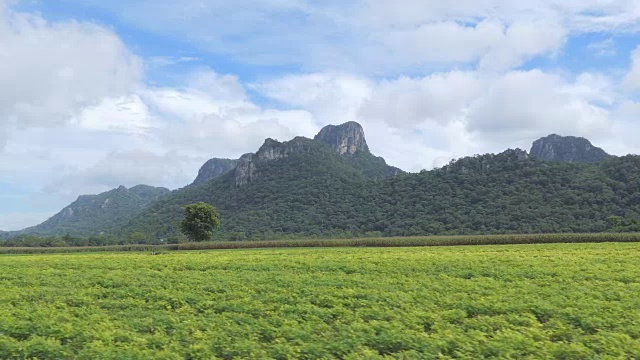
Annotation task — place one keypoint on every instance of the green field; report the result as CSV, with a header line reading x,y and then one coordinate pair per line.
x,y
565,301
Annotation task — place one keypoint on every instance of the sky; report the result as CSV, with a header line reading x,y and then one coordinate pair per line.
x,y
95,94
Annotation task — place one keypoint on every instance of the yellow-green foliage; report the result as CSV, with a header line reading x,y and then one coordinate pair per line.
x,y
565,301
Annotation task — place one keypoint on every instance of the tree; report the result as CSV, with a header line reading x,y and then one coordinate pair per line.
x,y
200,221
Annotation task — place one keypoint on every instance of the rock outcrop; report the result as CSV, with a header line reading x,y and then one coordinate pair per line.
x,y
274,150
213,169
346,139
567,149
245,170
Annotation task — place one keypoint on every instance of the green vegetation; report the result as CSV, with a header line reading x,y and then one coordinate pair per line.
x,y
521,302
320,194
51,245
200,221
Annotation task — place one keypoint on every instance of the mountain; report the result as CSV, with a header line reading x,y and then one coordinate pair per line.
x,y
313,188
333,186
214,168
94,214
304,174
346,141
567,149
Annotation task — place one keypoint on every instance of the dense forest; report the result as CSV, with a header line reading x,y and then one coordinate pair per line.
x,y
321,195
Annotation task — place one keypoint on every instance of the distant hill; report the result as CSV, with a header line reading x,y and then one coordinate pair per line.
x,y
94,214
567,149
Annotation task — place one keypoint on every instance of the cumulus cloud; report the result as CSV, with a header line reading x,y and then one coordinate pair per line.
x,y
58,68
494,45
440,98
525,104
331,97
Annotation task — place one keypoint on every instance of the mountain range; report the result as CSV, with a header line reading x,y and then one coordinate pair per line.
x,y
332,185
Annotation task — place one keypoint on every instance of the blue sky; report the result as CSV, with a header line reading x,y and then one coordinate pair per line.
x,y
98,94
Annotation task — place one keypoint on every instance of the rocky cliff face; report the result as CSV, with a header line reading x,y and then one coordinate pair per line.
x,y
213,169
346,139
272,149
245,170
567,149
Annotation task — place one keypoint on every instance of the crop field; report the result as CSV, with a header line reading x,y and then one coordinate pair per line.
x,y
562,301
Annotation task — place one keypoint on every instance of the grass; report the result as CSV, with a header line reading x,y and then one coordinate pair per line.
x,y
563,301
356,242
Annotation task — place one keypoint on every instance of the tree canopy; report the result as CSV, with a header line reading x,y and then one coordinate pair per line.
x,y
200,221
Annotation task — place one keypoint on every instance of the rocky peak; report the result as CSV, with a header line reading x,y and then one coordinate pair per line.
x,y
214,168
245,170
273,149
346,139
567,149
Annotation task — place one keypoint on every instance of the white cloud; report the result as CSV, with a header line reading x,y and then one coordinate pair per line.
x,y
331,97
439,98
494,45
632,79
55,69
533,103
374,36
126,114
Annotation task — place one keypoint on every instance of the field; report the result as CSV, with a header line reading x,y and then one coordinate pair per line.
x,y
564,301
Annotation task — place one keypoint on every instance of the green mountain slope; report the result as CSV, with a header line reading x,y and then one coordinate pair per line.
x,y
319,193
307,190
94,214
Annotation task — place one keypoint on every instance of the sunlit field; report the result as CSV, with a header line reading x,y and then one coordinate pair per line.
x,y
567,301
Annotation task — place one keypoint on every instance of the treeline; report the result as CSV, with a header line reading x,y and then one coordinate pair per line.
x,y
417,241
80,241
149,239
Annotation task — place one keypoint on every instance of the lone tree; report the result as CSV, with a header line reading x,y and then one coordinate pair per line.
x,y
200,221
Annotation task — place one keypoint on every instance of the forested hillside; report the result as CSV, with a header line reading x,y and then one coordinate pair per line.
x,y
96,214
321,194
